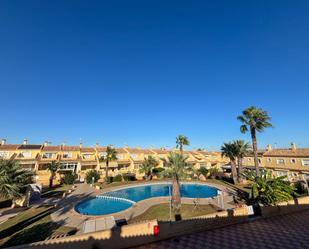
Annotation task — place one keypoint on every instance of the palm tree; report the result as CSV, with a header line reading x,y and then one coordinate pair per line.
x,y
181,141
53,168
147,166
270,190
176,168
13,179
243,149
111,155
256,120
230,150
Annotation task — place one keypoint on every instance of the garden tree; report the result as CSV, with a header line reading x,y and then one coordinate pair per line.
x,y
176,168
256,120
147,166
229,150
111,155
269,190
181,141
52,168
13,179
243,149
202,171
92,176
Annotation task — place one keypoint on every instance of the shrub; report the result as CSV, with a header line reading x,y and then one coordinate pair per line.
x,y
129,177
69,178
269,190
117,178
92,174
157,170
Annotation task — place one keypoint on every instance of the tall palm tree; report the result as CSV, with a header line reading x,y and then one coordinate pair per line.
x,y
111,155
176,168
230,150
13,179
243,149
147,166
256,120
181,141
53,168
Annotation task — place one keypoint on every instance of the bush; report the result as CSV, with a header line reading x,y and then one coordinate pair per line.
x,y
69,178
92,174
117,178
157,170
129,177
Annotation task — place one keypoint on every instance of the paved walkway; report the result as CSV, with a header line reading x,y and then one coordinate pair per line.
x,y
288,231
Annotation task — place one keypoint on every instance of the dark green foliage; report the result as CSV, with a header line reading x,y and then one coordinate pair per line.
x,y
13,179
117,178
69,178
157,170
203,171
129,177
269,190
92,174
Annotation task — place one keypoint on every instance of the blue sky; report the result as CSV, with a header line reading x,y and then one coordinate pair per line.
x,y
142,72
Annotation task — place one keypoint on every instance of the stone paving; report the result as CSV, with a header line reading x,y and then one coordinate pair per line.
x,y
288,231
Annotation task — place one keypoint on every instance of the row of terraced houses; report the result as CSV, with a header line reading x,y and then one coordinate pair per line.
x,y
292,162
80,159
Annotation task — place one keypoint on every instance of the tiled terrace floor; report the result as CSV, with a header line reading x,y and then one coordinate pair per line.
x,y
288,231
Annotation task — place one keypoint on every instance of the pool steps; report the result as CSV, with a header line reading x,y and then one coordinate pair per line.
x,y
114,198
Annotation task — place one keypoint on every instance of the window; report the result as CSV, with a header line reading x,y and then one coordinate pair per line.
x,y
259,160
24,154
67,155
68,166
47,155
120,156
280,161
293,161
269,160
103,154
4,154
305,162
134,156
86,156
282,173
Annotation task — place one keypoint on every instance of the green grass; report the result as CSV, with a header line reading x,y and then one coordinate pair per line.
x,y
161,212
31,225
56,191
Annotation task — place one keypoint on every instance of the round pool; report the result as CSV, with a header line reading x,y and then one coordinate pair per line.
x,y
119,200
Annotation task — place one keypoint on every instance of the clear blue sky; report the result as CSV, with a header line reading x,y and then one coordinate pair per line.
x,y
142,72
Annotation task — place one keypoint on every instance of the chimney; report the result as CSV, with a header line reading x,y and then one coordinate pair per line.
x,y
25,142
293,146
97,145
269,148
45,143
80,145
3,141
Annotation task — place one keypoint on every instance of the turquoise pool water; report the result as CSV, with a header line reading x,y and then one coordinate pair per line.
x,y
119,200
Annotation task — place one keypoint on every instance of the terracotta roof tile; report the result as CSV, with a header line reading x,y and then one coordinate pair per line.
x,y
51,148
9,146
302,152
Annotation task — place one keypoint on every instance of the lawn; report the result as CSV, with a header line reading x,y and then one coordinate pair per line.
x,y
33,224
161,212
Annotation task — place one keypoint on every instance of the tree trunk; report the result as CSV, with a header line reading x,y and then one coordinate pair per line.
x,y
176,200
254,146
51,179
234,171
239,160
106,171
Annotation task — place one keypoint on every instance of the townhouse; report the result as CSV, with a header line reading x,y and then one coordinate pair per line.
x,y
80,159
292,162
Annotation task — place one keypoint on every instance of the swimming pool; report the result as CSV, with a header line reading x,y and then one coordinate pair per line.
x,y
119,200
